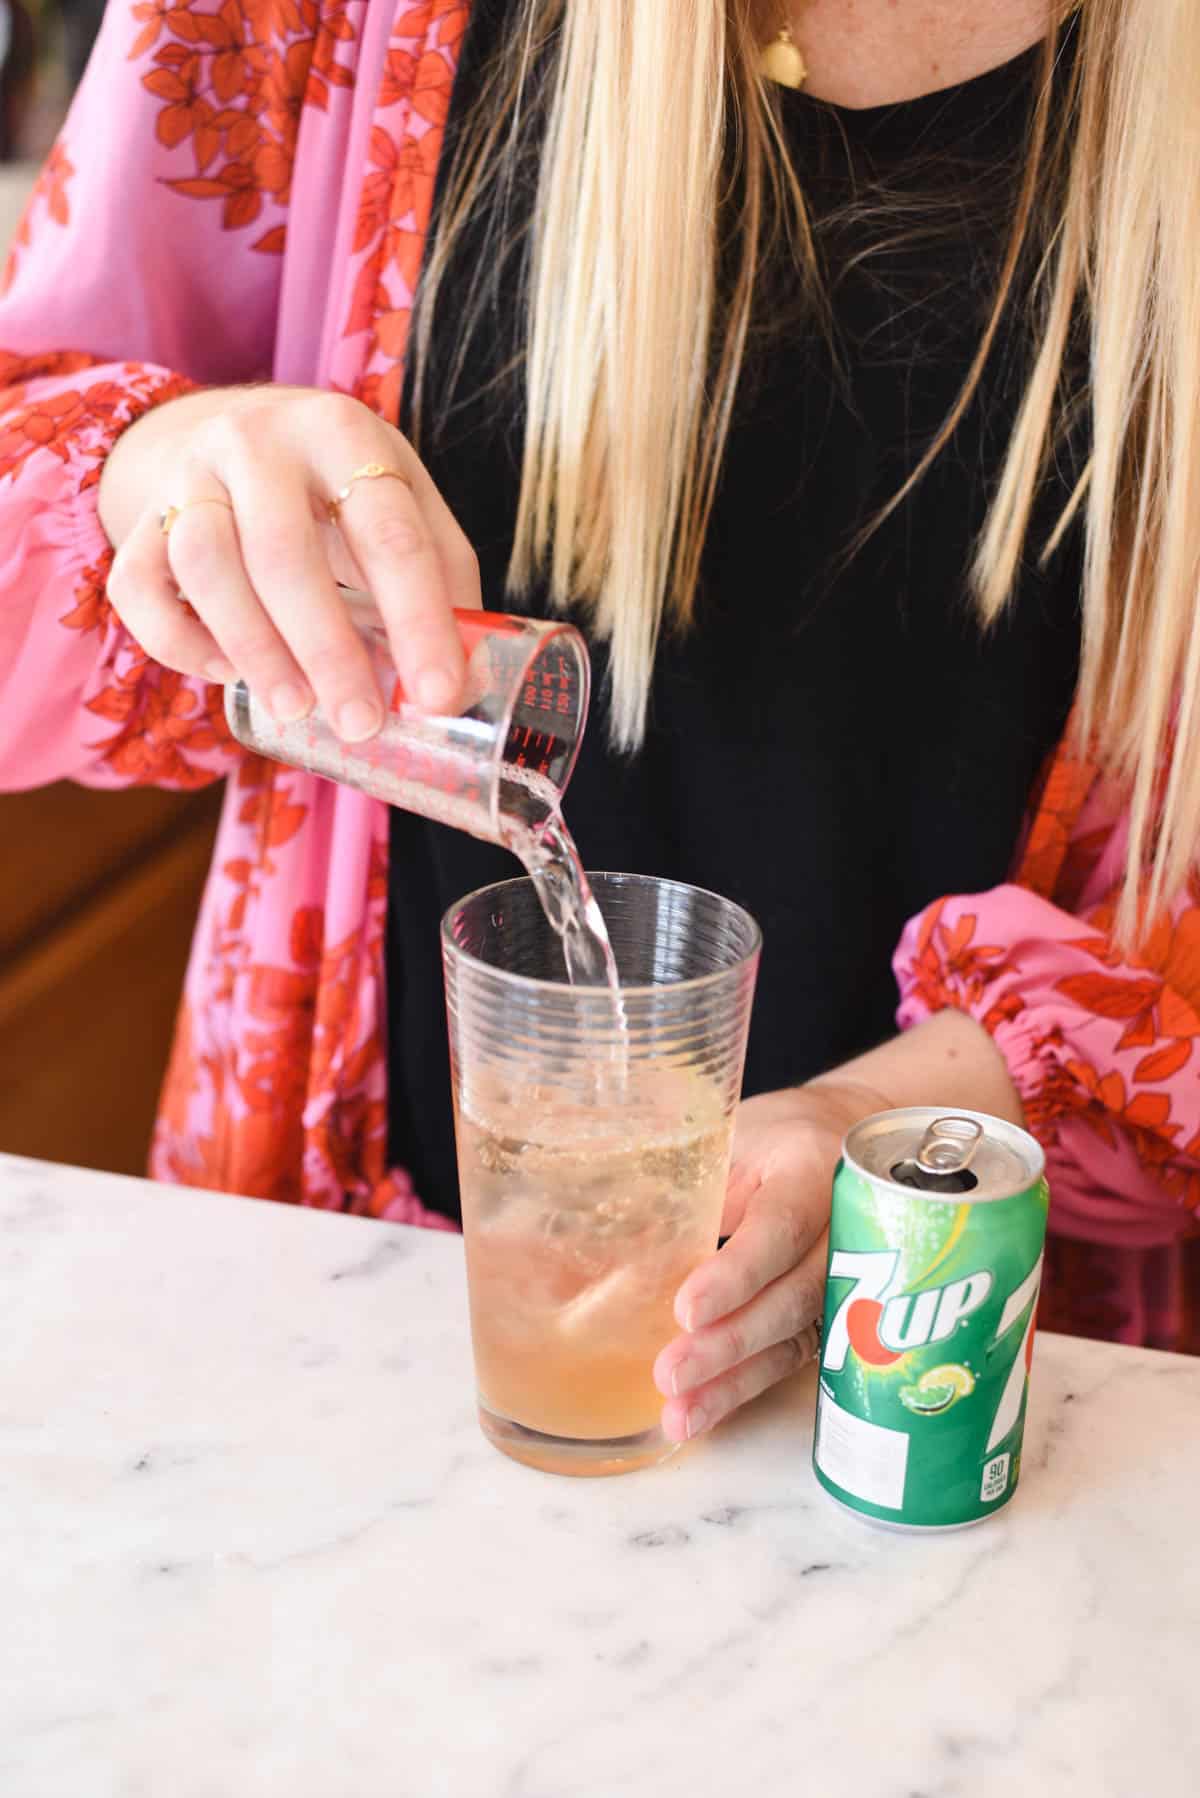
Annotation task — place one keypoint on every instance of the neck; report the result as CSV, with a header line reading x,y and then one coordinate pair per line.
x,y
878,52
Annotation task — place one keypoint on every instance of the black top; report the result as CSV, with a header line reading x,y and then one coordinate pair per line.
x,y
833,745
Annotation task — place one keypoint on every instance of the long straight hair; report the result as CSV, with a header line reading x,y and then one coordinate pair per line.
x,y
657,129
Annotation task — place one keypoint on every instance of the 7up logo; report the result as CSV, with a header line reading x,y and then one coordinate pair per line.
x,y
881,1324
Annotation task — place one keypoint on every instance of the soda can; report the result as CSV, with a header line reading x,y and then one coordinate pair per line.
x,y
935,1261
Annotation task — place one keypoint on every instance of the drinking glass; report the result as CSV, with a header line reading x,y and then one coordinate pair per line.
x,y
594,1135
498,766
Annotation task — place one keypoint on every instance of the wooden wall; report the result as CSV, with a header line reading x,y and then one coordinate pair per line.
x,y
98,898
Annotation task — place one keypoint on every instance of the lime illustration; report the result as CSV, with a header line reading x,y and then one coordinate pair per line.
x,y
937,1389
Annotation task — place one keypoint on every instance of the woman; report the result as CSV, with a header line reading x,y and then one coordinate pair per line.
x,y
753,377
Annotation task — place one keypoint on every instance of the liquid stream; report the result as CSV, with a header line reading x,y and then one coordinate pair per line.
x,y
552,862
535,831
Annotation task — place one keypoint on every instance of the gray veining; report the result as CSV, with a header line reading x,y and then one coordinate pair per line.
x,y
251,1543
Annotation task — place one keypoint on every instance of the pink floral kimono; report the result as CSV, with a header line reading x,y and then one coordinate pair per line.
x,y
241,193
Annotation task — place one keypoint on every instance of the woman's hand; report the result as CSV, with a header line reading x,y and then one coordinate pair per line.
x,y
749,1313
259,562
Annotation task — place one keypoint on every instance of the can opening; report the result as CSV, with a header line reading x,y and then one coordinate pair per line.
x,y
923,1179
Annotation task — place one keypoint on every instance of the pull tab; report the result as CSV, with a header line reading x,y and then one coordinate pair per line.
x,y
949,1145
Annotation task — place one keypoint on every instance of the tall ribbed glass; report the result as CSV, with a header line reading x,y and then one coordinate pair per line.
x,y
593,1151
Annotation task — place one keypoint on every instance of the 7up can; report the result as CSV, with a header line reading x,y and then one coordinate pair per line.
x,y
935,1259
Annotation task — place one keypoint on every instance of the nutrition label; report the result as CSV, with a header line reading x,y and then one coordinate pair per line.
x,y
862,1458
995,1479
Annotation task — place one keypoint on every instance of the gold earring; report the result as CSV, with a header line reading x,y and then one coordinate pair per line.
x,y
782,61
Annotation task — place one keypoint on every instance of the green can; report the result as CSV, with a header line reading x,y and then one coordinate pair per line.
x,y
935,1263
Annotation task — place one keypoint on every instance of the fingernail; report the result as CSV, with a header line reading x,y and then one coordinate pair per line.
x,y
435,690
699,1313
289,702
220,671
357,720
697,1421
684,1377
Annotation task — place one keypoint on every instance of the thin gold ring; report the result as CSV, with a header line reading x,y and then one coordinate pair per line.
x,y
370,471
167,517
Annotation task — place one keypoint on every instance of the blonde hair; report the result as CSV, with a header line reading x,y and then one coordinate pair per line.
x,y
629,384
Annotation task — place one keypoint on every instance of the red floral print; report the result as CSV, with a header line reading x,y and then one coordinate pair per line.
x,y
397,192
1105,1038
234,82
277,1084
78,425
949,967
49,194
1054,855
163,724
91,610
334,29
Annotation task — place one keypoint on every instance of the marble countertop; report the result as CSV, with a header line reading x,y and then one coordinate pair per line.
x,y
252,1543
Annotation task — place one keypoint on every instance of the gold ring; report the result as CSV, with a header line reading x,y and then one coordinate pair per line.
x,y
370,471
167,518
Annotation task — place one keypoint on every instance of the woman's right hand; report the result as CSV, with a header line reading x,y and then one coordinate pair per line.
x,y
248,586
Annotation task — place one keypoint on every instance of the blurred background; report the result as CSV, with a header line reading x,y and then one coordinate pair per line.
x,y
98,891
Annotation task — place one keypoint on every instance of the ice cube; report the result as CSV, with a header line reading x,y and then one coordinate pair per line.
x,y
670,1213
499,1154
609,1292
685,1164
617,1216
561,1222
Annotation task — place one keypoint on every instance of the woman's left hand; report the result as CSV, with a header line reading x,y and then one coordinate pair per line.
x,y
750,1312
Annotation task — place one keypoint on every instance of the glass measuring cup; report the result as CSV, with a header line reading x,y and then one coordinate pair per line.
x,y
498,766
